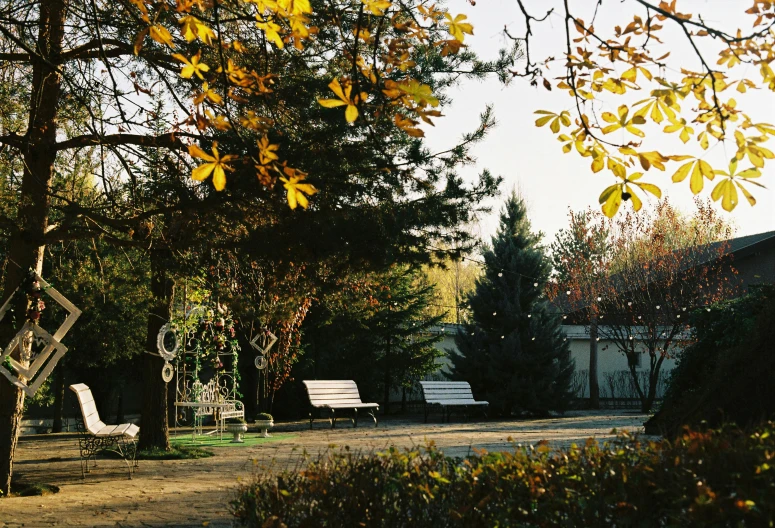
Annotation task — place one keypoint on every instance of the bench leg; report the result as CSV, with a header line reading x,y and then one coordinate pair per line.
x,y
310,420
355,417
332,419
374,416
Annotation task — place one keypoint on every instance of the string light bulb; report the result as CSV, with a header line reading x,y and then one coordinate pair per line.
x,y
535,285
500,274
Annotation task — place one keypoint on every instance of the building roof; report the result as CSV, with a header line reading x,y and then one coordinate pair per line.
x,y
737,248
742,246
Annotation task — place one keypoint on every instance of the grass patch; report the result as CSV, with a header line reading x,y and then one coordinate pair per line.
x,y
32,489
209,441
177,452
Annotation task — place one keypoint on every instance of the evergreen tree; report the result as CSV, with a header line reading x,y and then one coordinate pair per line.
x,y
513,352
374,328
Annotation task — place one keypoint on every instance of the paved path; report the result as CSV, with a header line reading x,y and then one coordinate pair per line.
x,y
196,492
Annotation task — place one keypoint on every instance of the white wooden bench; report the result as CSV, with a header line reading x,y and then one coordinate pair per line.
x,y
96,437
448,394
337,394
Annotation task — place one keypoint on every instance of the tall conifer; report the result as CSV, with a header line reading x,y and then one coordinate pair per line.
x,y
514,352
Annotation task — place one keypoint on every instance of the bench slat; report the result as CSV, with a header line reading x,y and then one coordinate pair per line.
x,y
323,392
336,401
449,393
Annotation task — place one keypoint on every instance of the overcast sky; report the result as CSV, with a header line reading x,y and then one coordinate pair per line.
x,y
531,160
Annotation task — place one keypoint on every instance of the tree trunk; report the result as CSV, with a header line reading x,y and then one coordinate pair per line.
x,y
59,398
648,402
154,426
594,386
25,248
120,407
386,396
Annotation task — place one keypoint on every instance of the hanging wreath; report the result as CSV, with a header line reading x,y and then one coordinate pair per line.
x,y
212,336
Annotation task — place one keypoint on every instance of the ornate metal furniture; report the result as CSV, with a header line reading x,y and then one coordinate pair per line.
x,y
212,399
337,394
448,394
96,437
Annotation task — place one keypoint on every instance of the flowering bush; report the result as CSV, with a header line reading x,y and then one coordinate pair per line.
x,y
716,478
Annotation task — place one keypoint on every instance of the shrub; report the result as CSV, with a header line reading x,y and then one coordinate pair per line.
x,y
264,416
726,375
715,478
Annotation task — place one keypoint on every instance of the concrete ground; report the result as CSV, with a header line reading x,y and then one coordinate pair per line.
x,y
197,492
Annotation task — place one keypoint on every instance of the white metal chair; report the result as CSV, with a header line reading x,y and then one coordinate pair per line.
x,y
96,437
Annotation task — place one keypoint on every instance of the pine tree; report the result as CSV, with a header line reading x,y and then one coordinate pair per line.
x,y
513,352
374,329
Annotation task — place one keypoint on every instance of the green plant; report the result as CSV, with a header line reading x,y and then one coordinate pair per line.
x,y
726,374
718,477
264,416
235,421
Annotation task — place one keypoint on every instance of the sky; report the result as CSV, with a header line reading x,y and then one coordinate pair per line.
x,y
530,159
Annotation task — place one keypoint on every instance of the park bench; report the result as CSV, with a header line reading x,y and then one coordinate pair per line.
x,y
337,394
447,395
95,437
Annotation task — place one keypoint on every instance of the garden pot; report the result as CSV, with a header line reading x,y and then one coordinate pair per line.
x,y
264,426
237,429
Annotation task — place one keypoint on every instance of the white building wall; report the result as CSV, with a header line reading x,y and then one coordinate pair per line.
x,y
612,367
611,363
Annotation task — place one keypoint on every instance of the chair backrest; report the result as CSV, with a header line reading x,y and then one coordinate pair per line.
x,y
446,390
332,392
91,418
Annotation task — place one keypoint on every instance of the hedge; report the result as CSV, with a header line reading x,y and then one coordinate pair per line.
x,y
727,375
721,477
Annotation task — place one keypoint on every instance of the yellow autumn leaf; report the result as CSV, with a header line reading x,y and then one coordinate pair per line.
x,y
192,28
160,34
210,95
295,189
216,165
650,188
295,7
193,66
611,199
271,31
267,151
377,7
726,191
457,28
351,112
421,93
139,39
